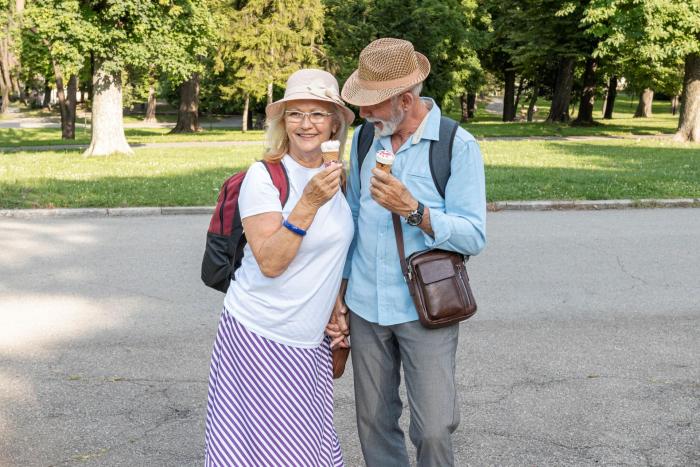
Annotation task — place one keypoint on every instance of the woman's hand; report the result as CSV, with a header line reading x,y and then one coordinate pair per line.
x,y
323,186
338,327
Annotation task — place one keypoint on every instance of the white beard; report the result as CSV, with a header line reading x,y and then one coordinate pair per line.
x,y
388,126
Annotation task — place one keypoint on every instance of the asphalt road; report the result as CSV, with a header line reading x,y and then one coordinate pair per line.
x,y
584,350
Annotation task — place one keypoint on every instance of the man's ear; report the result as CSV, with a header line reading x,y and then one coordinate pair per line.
x,y
407,99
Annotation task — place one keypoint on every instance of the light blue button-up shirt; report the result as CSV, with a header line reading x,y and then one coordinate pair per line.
x,y
376,288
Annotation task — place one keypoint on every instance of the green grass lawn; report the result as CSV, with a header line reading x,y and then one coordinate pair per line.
x,y
523,170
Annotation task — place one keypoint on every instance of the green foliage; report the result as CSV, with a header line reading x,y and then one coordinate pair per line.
x,y
439,29
264,41
167,37
650,39
532,36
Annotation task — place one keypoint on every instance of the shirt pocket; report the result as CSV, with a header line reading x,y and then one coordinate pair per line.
x,y
422,186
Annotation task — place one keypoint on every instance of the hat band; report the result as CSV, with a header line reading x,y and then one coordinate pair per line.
x,y
404,81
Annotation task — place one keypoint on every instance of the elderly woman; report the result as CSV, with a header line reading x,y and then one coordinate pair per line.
x,y
270,386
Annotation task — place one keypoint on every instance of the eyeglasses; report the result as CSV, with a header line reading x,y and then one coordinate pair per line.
x,y
297,116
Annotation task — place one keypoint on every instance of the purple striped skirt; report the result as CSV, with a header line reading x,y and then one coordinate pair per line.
x,y
269,404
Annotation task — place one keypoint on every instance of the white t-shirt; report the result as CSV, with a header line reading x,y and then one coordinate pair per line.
x,y
293,308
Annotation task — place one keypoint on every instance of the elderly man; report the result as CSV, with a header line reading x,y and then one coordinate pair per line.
x,y
386,333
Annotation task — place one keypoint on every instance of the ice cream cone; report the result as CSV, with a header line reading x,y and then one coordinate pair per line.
x,y
330,157
385,159
330,151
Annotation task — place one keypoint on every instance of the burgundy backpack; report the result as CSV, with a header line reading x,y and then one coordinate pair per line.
x,y
225,238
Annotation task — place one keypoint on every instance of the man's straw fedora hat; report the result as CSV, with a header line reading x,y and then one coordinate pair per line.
x,y
311,84
387,67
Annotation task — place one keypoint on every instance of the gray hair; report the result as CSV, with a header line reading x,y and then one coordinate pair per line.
x,y
415,90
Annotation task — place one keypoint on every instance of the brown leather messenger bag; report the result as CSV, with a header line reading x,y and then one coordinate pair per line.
x,y
438,283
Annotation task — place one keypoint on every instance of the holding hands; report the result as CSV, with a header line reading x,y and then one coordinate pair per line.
x,y
337,328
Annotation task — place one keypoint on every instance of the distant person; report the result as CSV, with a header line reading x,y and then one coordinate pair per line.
x,y
386,333
270,386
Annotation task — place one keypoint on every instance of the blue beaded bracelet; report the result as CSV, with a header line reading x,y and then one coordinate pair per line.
x,y
294,228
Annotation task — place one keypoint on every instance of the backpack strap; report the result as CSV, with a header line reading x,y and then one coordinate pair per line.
x,y
364,142
441,154
280,179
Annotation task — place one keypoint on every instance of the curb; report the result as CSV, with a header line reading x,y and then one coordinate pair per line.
x,y
593,205
573,205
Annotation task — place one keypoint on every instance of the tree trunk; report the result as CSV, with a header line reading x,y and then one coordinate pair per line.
x,y
517,96
244,119
533,101
151,105
644,106
689,121
269,93
5,89
107,116
465,108
610,99
559,111
585,108
5,83
188,113
675,100
16,86
471,105
47,96
509,96
66,103
71,102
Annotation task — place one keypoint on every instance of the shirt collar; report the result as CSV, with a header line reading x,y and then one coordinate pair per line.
x,y
429,128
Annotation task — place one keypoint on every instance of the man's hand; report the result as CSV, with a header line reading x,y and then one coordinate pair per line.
x,y
338,327
391,194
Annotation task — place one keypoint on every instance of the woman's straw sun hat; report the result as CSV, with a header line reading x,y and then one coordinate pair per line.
x,y
317,85
387,67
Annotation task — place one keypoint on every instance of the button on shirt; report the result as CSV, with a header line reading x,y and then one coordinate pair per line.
x,y
377,290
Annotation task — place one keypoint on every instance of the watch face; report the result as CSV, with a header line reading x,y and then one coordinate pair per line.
x,y
414,218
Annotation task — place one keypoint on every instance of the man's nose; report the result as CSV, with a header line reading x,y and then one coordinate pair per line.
x,y
364,112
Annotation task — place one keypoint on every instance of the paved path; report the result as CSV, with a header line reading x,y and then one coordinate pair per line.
x,y
583,352
495,106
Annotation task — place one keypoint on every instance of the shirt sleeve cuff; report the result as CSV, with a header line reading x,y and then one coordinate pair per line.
x,y
441,229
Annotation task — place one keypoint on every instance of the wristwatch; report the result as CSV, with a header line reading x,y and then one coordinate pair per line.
x,y
416,217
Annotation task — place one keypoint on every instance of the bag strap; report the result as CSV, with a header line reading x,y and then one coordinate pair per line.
x,y
398,233
280,179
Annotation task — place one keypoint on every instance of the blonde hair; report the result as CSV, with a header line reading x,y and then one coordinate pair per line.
x,y
277,141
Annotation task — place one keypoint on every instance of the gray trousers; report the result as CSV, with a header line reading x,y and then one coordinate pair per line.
x,y
428,359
